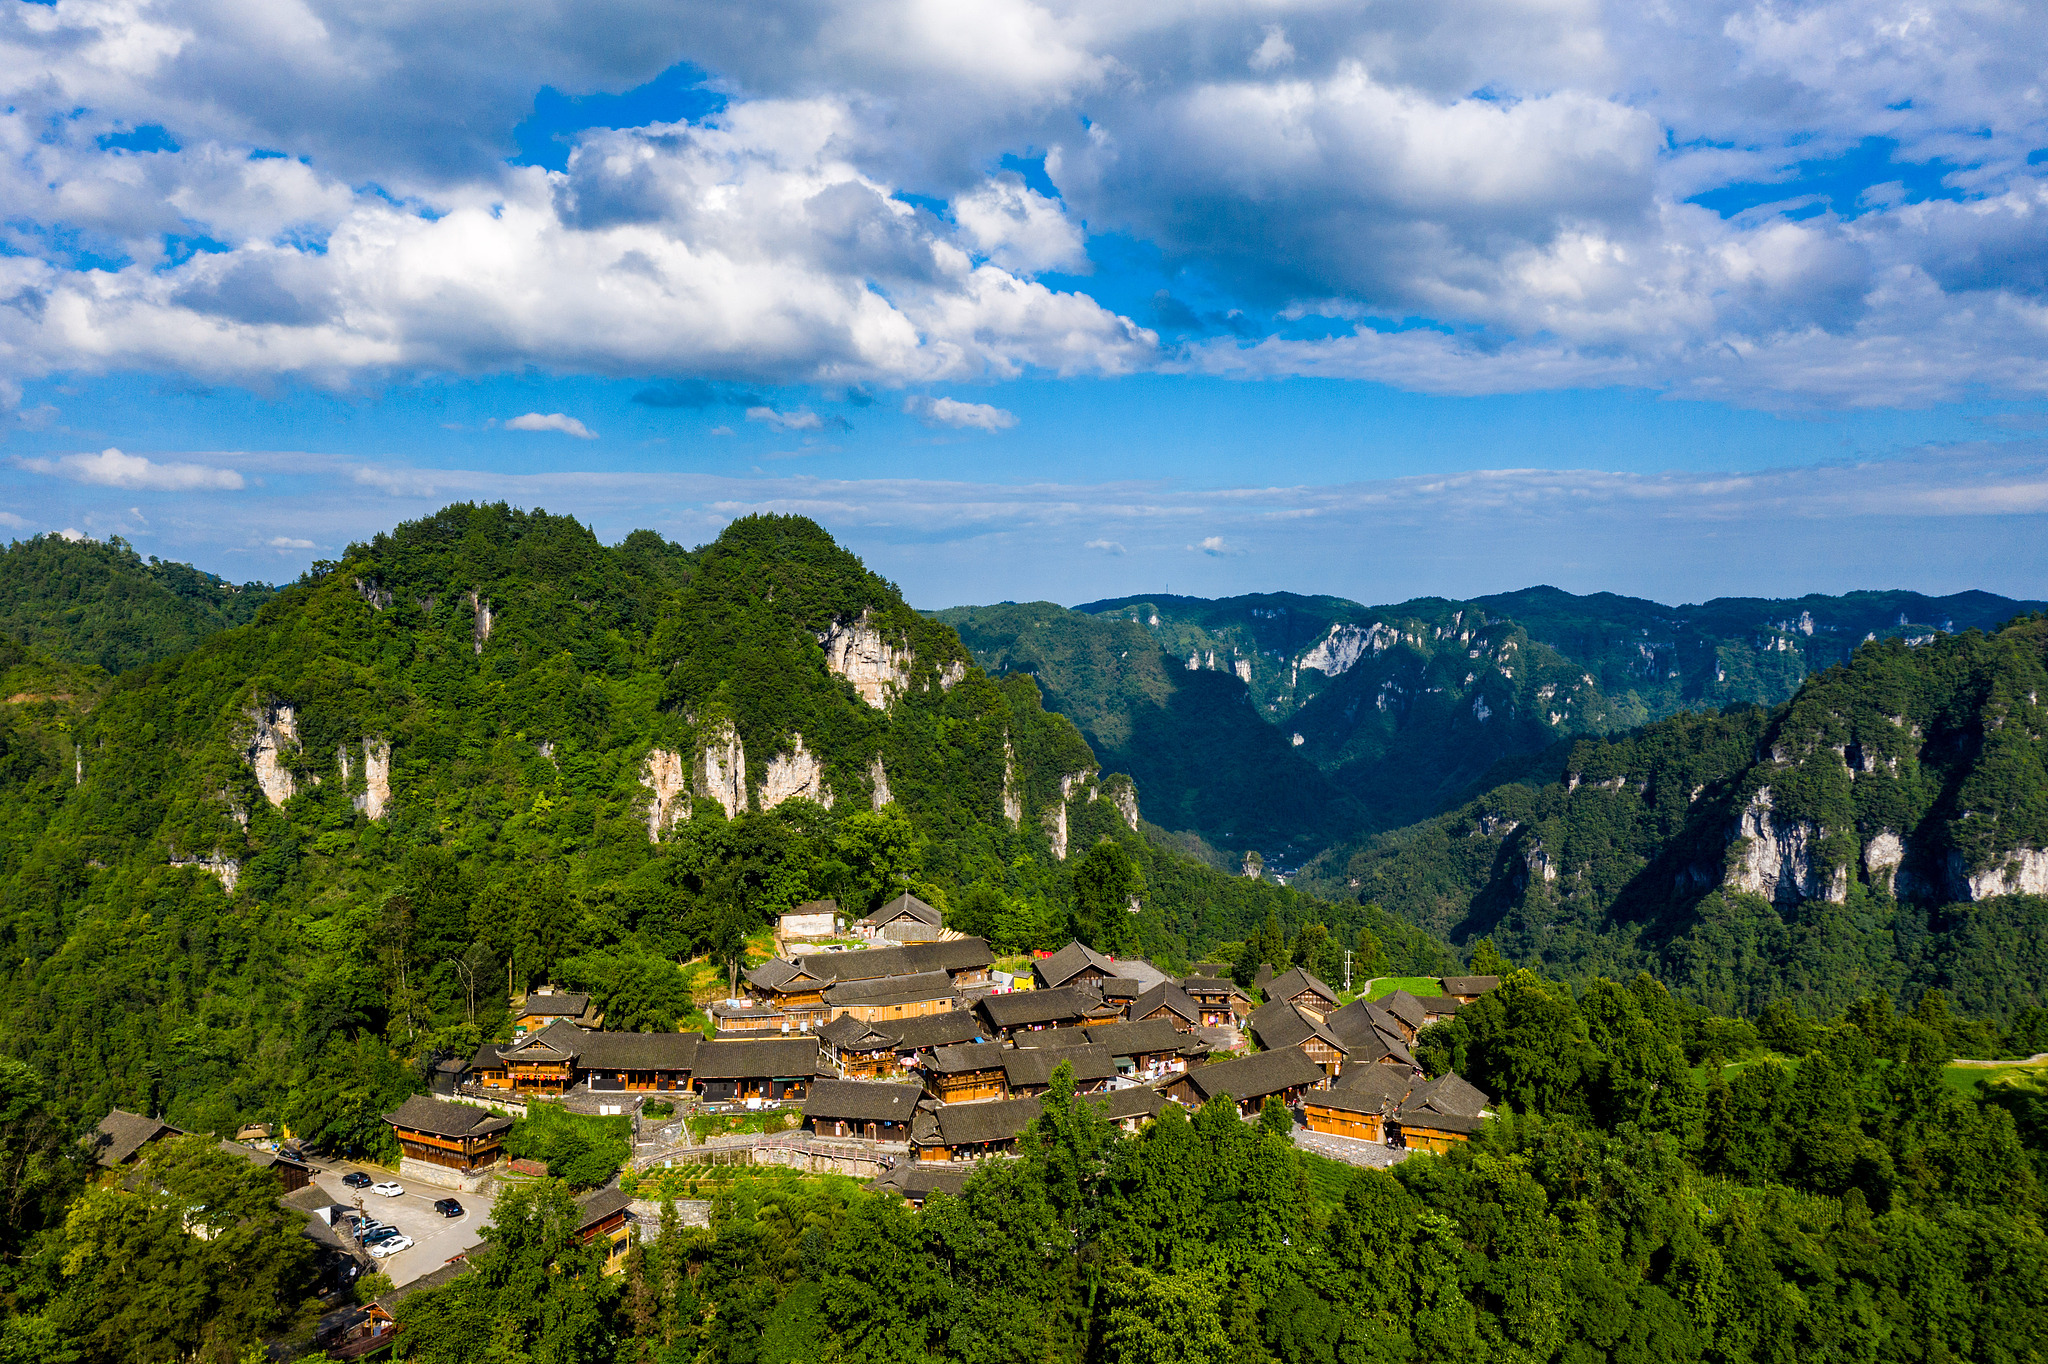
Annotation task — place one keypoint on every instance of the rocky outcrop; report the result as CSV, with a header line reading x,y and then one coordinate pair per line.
x,y
856,651
1339,651
213,864
1055,818
480,608
1780,858
2023,871
1013,799
952,675
1882,856
668,785
371,591
273,737
376,796
341,761
797,775
1120,791
721,769
879,777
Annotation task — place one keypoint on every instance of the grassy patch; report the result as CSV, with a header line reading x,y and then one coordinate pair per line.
x,y
1419,986
1965,1079
704,1125
1327,1179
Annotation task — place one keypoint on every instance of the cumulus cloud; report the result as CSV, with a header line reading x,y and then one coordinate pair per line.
x,y
1521,177
951,412
551,421
802,419
1106,546
287,542
110,468
1215,547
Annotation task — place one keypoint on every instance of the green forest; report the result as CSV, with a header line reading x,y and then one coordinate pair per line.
x,y
99,602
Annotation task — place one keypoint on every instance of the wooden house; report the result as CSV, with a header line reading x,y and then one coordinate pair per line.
x,y
1468,989
747,1015
1358,1105
789,989
1169,1003
970,1131
1248,1081
1140,1050
1028,1070
857,1050
1440,1114
120,1136
771,1069
604,1219
1437,1009
457,1137
1073,964
1130,1108
965,1074
1279,1024
813,919
893,997
1370,1034
859,1108
1297,987
1407,1013
1029,1010
905,918
547,1005
1218,1001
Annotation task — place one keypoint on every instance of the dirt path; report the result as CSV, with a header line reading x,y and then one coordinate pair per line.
x,y
2038,1058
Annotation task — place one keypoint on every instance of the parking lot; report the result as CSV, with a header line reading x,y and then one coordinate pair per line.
x,y
435,1238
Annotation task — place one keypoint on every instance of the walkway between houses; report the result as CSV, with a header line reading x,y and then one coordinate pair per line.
x,y
1371,1154
796,1143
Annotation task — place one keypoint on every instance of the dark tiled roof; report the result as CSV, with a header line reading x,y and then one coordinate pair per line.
x,y
640,1050
905,905
1280,1024
1056,1038
1405,1007
1414,1117
773,974
926,985
811,907
1438,1004
1120,988
1470,985
957,954
444,1119
1070,961
862,1101
1025,1067
1022,1008
1210,968
919,1179
486,1058
769,1058
593,1208
962,1060
725,1009
1297,980
554,1006
1135,1101
1381,1088
971,1124
936,1030
120,1134
1169,996
1255,1076
1450,1094
850,1034
560,1038
1207,986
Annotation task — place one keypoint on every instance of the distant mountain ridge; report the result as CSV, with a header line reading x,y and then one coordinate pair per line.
x,y
1388,714
99,602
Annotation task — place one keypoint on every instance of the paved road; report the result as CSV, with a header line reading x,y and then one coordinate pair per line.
x,y
435,1237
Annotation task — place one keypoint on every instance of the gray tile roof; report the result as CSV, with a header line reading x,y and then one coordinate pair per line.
x,y
594,1207
1122,1039
770,1058
1168,996
905,906
962,1060
862,1101
1021,1008
881,990
1405,1007
120,1134
1470,985
919,1179
1381,1088
936,1030
1070,961
1028,1067
556,1005
1254,1076
1296,980
956,954
1135,1101
671,1051
1451,1094
1281,1024
975,1123
444,1119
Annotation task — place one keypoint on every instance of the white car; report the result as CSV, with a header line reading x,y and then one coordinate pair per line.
x,y
391,1247
390,1188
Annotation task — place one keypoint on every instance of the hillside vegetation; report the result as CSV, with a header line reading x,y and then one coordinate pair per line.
x,y
91,601
275,875
1882,830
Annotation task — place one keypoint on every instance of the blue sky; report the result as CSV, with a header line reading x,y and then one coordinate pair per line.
x,y
1036,300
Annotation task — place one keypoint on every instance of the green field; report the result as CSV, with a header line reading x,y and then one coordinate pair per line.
x,y
1965,1079
1419,986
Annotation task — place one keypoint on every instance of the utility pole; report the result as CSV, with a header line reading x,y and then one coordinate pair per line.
x,y
1347,970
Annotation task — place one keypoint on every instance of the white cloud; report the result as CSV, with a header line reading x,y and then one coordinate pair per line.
x,y
951,412
1215,548
68,533
1106,546
551,421
8,518
1273,50
287,542
803,419
720,431
110,468
1020,229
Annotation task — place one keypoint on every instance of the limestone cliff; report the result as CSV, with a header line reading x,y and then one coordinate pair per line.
x,y
226,870
480,607
1780,858
795,775
376,796
1119,790
1013,800
721,769
668,785
273,738
2023,871
856,651
880,779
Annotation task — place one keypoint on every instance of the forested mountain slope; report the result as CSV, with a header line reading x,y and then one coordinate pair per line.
x,y
94,601
269,877
1885,829
1403,710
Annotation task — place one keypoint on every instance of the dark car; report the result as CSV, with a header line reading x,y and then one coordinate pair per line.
x,y
356,1179
447,1207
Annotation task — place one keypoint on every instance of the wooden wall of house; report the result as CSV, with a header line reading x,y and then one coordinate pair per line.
x,y
965,1088
1430,1139
1340,1122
